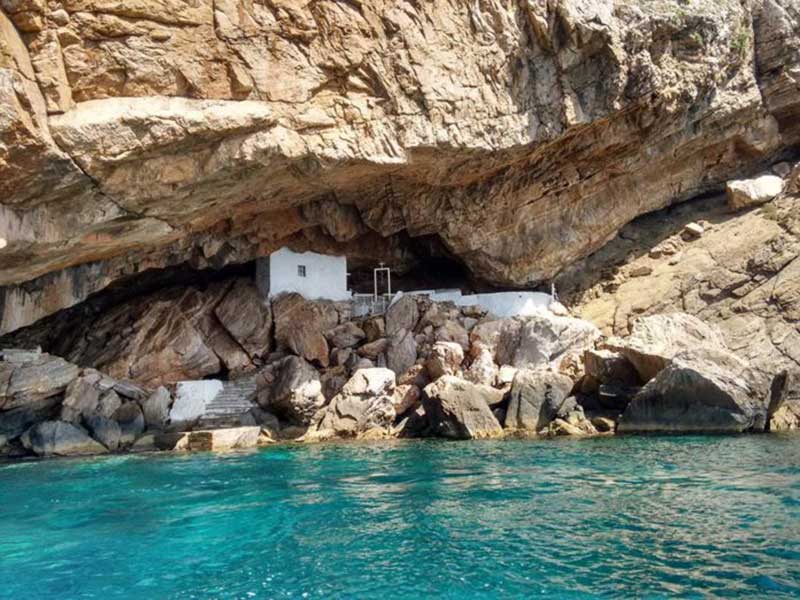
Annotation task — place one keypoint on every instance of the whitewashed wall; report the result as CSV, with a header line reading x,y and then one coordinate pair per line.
x,y
500,304
326,276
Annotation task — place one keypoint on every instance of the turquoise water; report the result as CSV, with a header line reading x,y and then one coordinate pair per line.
x,y
612,517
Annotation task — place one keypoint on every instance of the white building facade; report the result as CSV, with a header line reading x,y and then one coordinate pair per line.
x,y
315,276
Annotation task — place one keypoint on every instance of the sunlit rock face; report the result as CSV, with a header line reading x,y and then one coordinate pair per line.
x,y
523,134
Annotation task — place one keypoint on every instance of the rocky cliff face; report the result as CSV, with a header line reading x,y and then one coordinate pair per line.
x,y
523,134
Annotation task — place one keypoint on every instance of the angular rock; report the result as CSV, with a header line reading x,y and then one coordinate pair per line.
x,y
405,397
536,397
81,399
108,404
374,328
609,367
482,369
156,408
16,421
104,430
31,377
656,339
247,317
296,395
403,314
345,335
57,438
364,408
445,359
452,331
401,353
459,409
299,326
131,422
373,350
701,390
745,193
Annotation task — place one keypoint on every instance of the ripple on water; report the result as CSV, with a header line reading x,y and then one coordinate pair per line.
x,y
646,517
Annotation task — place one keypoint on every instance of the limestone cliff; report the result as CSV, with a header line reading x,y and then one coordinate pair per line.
x,y
522,133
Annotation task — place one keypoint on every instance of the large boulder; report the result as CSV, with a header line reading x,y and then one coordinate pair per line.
x,y
247,317
701,390
536,398
537,341
745,193
30,376
445,358
345,335
295,393
364,407
403,314
57,438
482,369
155,408
460,409
131,422
401,353
104,430
81,399
300,325
656,339
16,421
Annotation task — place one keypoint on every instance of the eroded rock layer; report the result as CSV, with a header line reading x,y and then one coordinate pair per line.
x,y
523,133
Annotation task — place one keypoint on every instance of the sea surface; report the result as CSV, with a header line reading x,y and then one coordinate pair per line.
x,y
646,517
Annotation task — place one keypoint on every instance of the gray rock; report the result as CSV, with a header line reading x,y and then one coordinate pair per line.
x,y
57,438
156,408
536,397
108,404
131,422
345,335
702,390
364,406
296,394
131,390
104,430
459,409
609,367
402,315
14,422
656,339
401,353
445,358
27,377
81,400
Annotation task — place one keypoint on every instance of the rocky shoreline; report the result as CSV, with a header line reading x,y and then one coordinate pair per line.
x,y
424,369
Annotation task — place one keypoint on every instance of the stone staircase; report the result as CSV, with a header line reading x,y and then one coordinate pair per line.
x,y
231,405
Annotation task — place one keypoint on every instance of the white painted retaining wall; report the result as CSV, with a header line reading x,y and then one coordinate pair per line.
x,y
500,304
326,276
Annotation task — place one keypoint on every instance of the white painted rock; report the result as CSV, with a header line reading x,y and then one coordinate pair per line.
x,y
744,193
191,399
